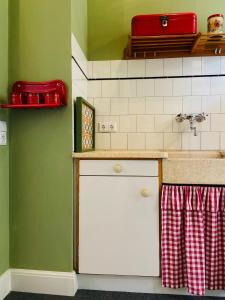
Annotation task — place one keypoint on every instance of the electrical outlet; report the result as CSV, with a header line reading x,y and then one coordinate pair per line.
x,y
112,127
103,127
3,138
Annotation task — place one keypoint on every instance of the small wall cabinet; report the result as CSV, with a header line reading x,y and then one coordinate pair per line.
x,y
118,227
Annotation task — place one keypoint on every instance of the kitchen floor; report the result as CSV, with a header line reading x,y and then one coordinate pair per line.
x,y
98,295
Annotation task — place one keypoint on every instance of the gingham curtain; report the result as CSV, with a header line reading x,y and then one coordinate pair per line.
x,y
193,238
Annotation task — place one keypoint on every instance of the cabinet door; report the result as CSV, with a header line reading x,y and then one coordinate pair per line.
x,y
119,225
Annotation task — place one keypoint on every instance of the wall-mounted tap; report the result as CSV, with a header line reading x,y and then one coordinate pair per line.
x,y
192,118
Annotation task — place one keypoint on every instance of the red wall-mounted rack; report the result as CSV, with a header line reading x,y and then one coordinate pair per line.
x,y
49,94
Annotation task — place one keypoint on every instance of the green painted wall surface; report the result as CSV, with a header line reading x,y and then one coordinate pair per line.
x,y
79,22
41,140
109,21
4,151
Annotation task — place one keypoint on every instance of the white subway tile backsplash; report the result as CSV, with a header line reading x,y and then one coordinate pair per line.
x,y
201,86
90,100
210,65
154,105
154,141
164,123
210,141
172,105
119,106
90,69
136,68
136,141
102,141
110,88
172,141
102,106
136,106
145,109
145,123
173,67
205,125
76,72
94,89
128,88
154,67
211,104
118,69
118,141
192,104
217,85
101,69
222,141
163,87
181,87
145,87
218,122
222,107
128,124
192,66
191,142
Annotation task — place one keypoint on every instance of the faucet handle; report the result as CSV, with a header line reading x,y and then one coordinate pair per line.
x,y
201,117
181,117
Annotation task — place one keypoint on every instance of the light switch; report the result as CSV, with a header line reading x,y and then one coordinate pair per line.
x,y
3,133
3,138
3,126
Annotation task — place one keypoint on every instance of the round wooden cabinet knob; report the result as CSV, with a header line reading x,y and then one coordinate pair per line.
x,y
117,168
145,193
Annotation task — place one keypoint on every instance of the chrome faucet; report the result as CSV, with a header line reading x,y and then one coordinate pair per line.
x,y
192,118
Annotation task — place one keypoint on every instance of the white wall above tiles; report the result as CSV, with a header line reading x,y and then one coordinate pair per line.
x,y
145,108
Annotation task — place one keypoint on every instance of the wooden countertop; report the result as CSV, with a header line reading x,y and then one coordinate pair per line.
x,y
121,154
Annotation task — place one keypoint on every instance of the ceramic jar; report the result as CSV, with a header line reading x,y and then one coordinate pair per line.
x,y
215,23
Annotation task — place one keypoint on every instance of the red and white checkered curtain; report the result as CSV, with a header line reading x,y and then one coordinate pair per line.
x,y
193,238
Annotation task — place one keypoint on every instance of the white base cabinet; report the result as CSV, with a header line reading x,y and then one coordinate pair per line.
x,y
119,224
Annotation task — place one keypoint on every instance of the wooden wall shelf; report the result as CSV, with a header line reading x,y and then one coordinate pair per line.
x,y
166,46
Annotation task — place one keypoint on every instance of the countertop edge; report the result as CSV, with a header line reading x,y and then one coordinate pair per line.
x,y
122,155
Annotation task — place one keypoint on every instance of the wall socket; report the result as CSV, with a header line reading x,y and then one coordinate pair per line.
x,y
107,127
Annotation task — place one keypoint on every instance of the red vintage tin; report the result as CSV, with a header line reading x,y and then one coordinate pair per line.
x,y
164,24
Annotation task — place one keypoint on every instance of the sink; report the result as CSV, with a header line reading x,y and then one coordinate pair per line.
x,y
194,167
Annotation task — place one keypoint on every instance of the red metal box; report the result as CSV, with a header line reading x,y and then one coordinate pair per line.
x,y
164,24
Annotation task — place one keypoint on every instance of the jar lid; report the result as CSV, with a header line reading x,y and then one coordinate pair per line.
x,y
215,15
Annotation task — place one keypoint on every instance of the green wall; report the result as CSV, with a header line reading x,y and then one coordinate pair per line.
x,y
79,23
109,21
4,155
41,140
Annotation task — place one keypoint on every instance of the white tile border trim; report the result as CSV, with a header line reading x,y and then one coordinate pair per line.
x,y
5,284
132,284
44,282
